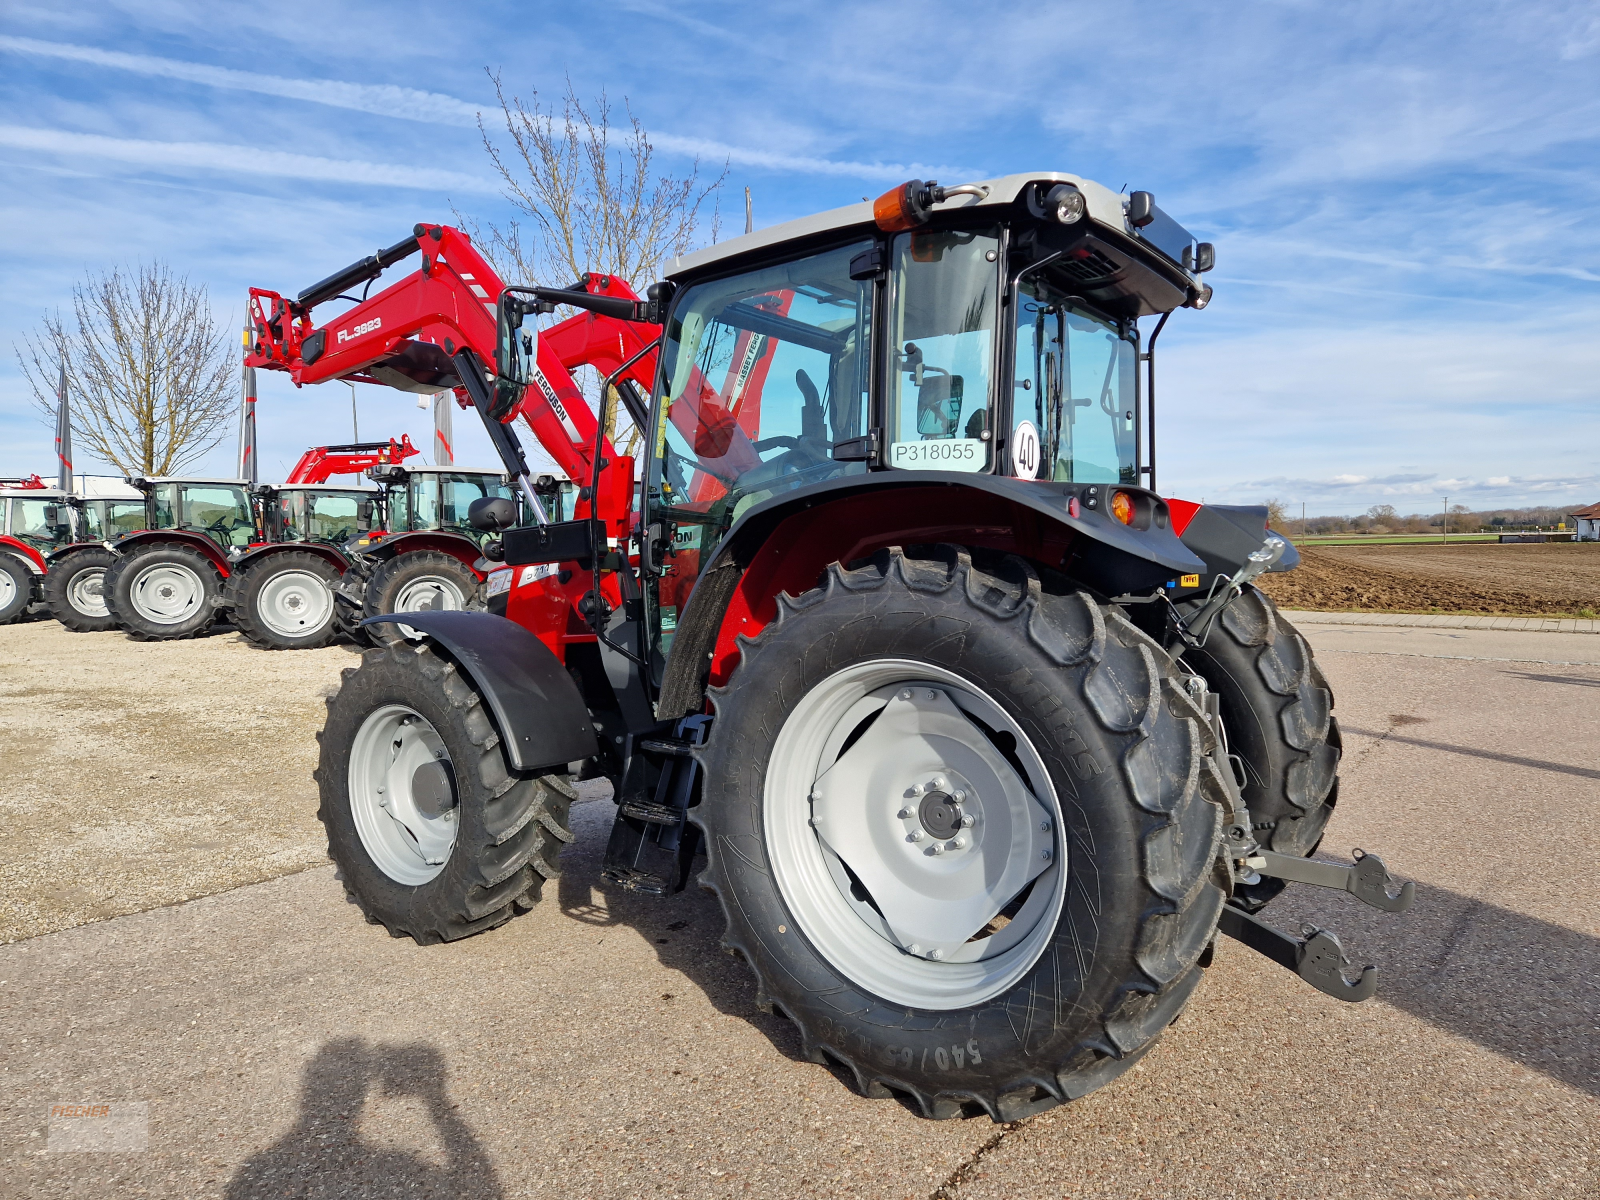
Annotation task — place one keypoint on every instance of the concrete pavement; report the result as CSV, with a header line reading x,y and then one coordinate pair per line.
x,y
602,1046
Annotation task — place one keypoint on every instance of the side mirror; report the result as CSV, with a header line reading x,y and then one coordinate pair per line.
x,y
1205,257
1141,209
52,515
363,516
492,514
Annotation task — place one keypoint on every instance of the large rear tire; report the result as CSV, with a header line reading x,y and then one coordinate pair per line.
x,y
285,601
418,581
16,589
163,592
434,836
1277,710
75,590
1046,745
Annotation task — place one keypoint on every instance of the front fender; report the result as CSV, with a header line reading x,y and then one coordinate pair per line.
x,y
129,542
783,545
535,704
457,545
320,549
25,552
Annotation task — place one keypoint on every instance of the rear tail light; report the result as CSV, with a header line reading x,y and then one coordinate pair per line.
x,y
1122,507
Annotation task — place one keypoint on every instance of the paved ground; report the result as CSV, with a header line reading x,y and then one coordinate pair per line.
x,y
1447,621
601,1046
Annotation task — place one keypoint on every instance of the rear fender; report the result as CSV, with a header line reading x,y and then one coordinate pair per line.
x,y
338,561
1225,535
456,545
131,542
535,704
785,544
25,552
58,554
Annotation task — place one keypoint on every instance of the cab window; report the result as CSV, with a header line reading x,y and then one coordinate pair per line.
x,y
946,293
220,511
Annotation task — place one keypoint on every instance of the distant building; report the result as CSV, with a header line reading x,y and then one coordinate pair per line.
x,y
1586,521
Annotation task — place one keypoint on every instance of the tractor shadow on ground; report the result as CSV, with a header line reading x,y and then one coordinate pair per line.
x,y
1519,986
684,929
326,1154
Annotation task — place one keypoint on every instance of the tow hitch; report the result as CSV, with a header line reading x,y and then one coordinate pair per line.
x,y
1318,957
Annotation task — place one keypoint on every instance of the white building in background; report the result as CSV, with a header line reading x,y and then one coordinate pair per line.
x,y
1586,523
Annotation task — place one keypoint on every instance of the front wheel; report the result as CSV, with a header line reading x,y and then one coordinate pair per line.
x,y
418,581
964,830
75,589
285,601
16,588
162,592
434,836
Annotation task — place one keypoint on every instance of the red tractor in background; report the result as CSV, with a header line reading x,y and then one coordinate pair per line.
x,y
35,522
986,740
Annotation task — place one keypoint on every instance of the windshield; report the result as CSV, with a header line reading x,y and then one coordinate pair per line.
x,y
30,521
765,372
441,501
320,516
220,511
945,297
1075,387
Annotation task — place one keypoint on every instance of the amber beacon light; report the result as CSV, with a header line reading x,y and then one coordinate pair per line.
x,y
1122,507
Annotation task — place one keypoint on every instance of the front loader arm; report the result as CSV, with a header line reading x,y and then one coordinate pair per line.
x,y
424,332
320,463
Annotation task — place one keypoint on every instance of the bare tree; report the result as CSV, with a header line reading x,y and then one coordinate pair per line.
x,y
594,198
150,373
1277,515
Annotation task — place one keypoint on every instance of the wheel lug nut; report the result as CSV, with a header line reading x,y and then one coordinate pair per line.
x,y
1045,854
906,813
914,790
938,783
936,955
914,948
968,821
958,796
915,835
905,695
938,847
932,695
960,843
1044,826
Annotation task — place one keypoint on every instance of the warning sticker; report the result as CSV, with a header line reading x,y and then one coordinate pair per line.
x,y
1189,581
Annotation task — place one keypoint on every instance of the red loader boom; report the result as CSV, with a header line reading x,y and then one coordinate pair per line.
x,y
320,463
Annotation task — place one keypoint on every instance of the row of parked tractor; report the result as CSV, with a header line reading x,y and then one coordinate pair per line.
x,y
290,566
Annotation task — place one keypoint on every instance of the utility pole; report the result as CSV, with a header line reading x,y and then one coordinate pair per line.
x,y
1444,524
749,213
355,426
1302,519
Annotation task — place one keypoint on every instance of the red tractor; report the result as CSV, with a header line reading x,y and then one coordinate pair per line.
x,y
35,521
985,741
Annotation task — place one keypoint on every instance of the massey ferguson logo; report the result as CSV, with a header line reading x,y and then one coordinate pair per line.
x,y
364,327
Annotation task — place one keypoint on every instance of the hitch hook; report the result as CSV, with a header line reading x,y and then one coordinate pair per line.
x,y
1368,880
1319,958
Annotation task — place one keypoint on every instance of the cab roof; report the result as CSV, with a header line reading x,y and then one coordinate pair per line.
x,y
1104,206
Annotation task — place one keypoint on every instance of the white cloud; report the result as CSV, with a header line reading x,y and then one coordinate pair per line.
x,y
219,156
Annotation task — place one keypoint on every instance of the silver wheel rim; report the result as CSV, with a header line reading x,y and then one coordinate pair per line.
x,y
8,590
86,593
404,808
925,814
167,594
295,603
429,593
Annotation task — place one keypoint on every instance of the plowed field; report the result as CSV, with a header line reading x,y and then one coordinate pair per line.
x,y
1518,578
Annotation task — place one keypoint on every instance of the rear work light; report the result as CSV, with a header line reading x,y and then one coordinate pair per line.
x,y
1122,507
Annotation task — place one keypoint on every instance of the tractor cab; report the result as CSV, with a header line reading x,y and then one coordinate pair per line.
x,y
38,517
437,499
217,509
314,512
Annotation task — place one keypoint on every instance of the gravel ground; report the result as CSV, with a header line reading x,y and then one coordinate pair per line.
x,y
601,1046
146,773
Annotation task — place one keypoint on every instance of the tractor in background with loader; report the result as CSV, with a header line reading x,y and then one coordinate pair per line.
x,y
984,740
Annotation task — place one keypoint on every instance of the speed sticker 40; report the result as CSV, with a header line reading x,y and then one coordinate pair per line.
x,y
1025,451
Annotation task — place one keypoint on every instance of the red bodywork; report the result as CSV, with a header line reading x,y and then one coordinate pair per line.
x,y
21,548
321,463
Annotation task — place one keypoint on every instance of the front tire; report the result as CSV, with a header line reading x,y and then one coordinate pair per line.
x,y
75,590
418,581
16,589
434,836
1045,707
286,601
163,592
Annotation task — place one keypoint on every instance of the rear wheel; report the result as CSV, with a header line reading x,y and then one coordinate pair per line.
x,y
964,831
419,581
75,589
435,837
16,588
1277,710
162,592
285,601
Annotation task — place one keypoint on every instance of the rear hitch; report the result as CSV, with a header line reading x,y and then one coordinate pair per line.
x,y
1367,879
1318,958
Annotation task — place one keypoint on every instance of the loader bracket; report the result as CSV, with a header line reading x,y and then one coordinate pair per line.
x,y
1318,958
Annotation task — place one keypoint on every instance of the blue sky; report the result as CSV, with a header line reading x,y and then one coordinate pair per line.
x,y
1403,195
